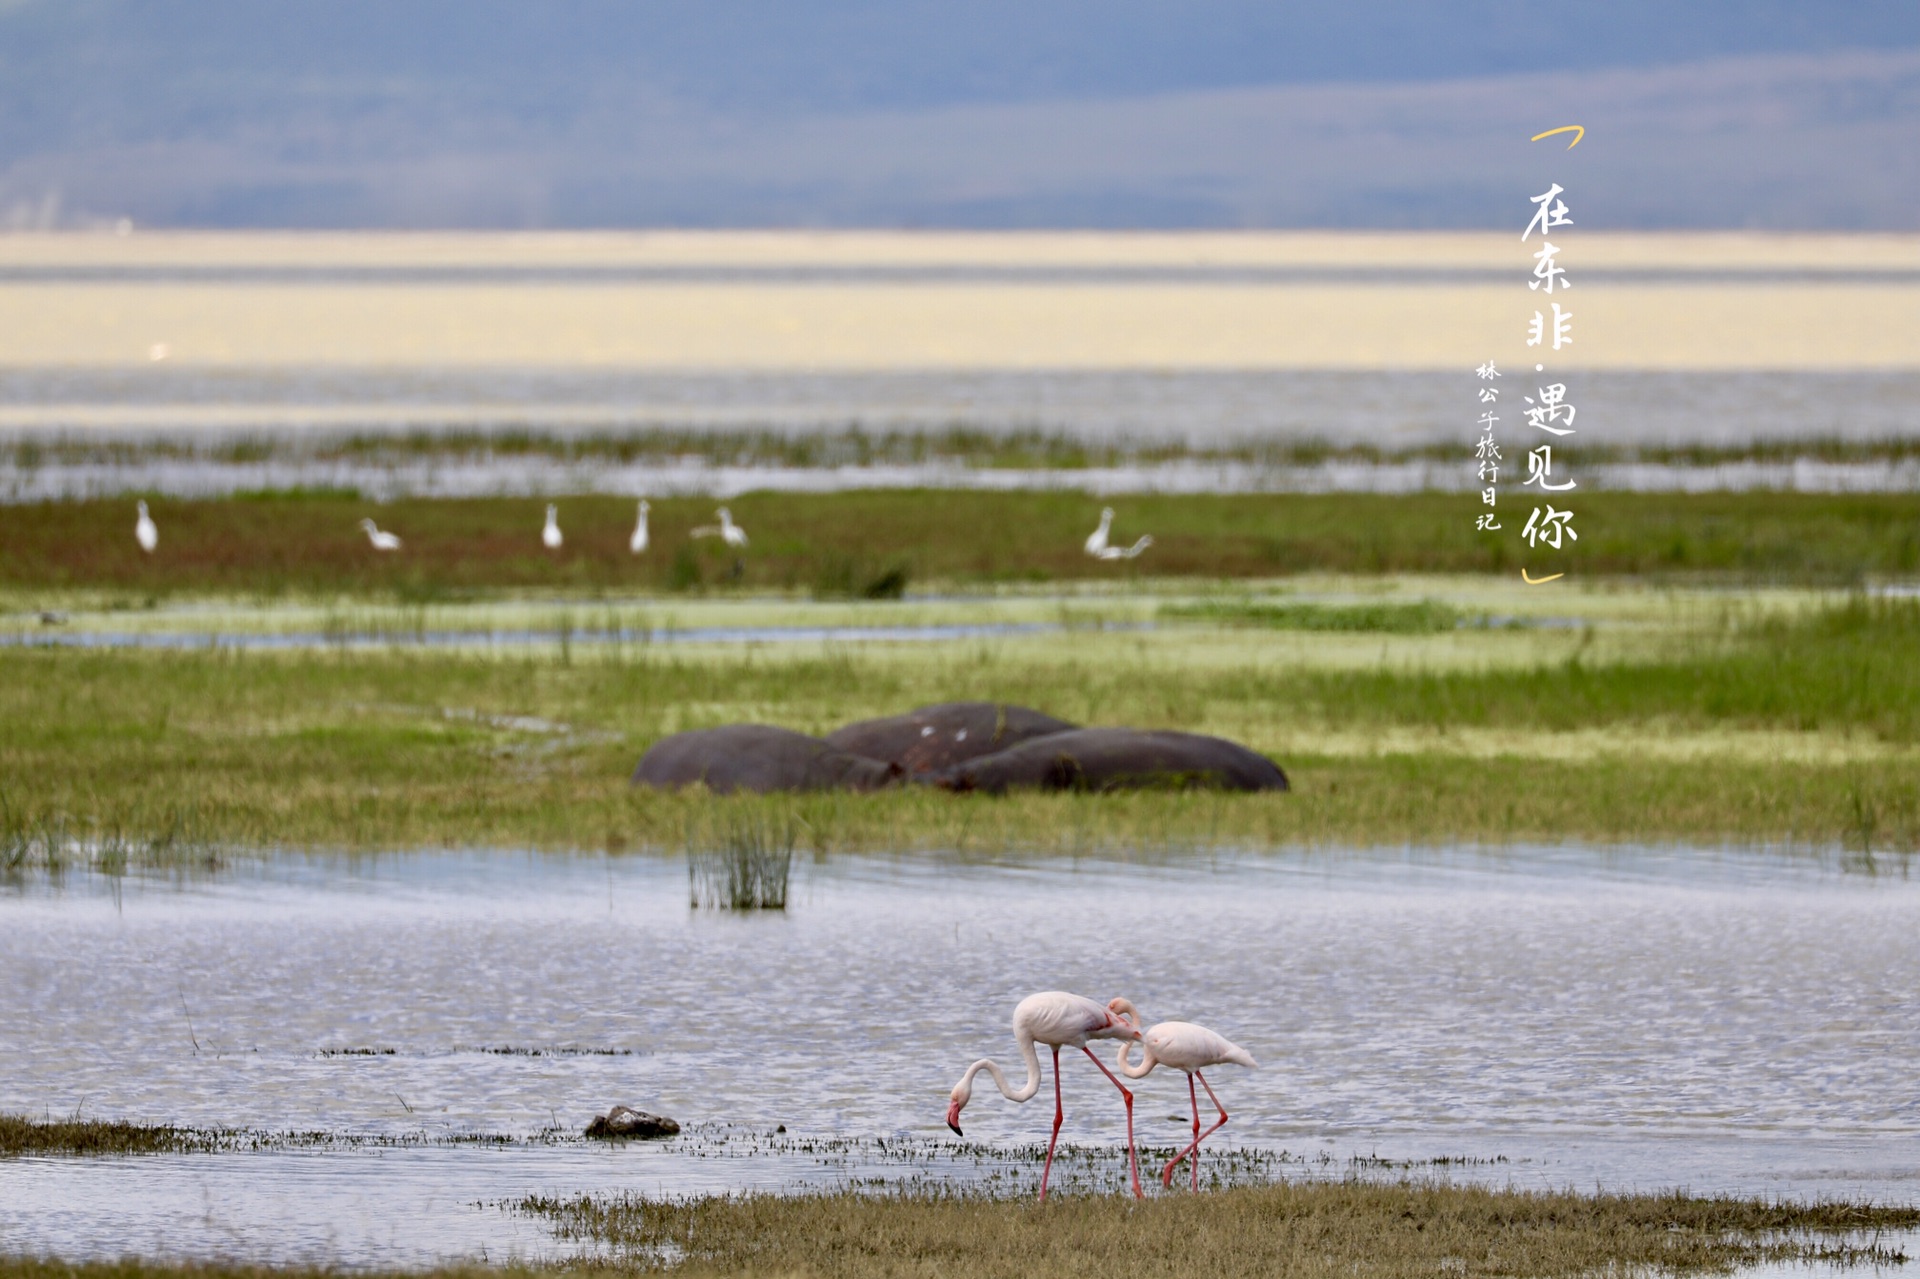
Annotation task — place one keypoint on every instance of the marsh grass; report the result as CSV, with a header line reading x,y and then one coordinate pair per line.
x,y
21,1135
178,758
1331,1230
749,863
1422,617
963,446
311,543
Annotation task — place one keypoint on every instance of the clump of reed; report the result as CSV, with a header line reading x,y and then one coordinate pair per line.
x,y
23,1135
47,838
743,865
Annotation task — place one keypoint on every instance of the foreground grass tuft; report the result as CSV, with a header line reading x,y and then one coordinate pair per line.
x,y
1325,1230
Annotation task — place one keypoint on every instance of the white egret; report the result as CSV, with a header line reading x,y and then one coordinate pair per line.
x,y
726,530
381,541
550,535
638,542
145,532
1097,540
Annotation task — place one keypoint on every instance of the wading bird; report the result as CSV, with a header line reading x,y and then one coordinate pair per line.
x,y
550,535
1097,540
726,530
1187,1048
638,542
1097,547
1058,1020
381,541
144,531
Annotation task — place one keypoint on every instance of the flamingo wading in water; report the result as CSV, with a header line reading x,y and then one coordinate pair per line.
x,y
1058,1020
1187,1048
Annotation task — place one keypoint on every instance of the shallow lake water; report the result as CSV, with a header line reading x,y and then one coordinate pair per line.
x,y
1539,1017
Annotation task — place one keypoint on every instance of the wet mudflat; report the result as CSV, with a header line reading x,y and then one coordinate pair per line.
x,y
1626,1019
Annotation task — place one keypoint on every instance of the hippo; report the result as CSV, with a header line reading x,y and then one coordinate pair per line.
x,y
757,757
936,737
1104,759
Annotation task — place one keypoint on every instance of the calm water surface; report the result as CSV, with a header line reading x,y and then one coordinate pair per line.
x,y
1564,1018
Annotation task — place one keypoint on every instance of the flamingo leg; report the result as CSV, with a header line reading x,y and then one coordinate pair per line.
x,y
1166,1173
1194,1163
1059,1114
1195,1147
1218,1124
1126,1094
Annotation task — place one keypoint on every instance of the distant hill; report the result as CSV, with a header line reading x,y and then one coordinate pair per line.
x,y
489,113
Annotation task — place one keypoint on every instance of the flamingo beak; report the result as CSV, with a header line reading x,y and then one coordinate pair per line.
x,y
953,1117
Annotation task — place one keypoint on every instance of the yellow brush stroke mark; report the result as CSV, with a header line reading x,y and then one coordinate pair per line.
x,y
1540,581
1576,130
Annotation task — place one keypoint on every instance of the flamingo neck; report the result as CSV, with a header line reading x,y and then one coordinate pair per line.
x,y
1026,1091
1128,1013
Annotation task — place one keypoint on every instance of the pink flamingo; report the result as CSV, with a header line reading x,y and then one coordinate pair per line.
x,y
1189,1048
1058,1020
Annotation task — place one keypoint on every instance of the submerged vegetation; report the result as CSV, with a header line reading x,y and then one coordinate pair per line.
x,y
747,867
1784,724
311,543
1342,1229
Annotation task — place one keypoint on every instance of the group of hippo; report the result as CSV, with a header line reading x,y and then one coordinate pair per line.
x,y
958,746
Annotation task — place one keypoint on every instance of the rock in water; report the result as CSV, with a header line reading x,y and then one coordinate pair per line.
x,y
624,1121
1104,759
936,737
757,757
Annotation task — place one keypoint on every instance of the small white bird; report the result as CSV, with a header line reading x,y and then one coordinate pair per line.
x,y
381,541
550,535
726,530
1097,540
145,532
638,542
1187,1048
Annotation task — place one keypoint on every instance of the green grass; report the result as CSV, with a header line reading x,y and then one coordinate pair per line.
x,y
1785,727
1424,617
1333,1230
874,543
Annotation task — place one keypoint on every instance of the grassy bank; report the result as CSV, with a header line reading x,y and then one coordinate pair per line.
x,y
867,542
1339,1231
1343,1229
1794,726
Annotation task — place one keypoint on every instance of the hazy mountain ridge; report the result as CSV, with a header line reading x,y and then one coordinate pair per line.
x,y
377,131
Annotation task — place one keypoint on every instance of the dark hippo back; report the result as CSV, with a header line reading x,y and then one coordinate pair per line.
x,y
936,737
1100,759
756,757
